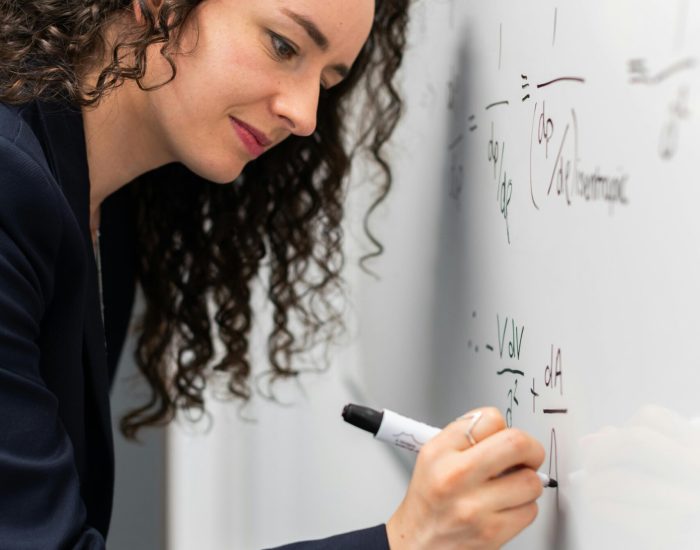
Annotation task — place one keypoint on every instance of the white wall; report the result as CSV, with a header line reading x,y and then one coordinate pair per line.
x,y
614,286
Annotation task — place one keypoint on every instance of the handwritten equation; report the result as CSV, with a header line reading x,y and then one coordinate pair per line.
x,y
537,389
551,165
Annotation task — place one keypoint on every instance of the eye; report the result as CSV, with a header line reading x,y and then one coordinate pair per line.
x,y
283,49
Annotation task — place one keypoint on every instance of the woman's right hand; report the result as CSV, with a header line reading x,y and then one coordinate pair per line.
x,y
469,496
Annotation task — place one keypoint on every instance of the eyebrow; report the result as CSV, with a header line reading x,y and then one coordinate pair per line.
x,y
317,36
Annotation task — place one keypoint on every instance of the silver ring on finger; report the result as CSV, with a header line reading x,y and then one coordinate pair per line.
x,y
474,417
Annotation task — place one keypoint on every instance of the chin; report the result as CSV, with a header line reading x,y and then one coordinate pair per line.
x,y
217,172
225,179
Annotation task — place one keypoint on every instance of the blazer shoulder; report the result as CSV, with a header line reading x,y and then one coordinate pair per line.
x,y
24,168
18,137
32,214
10,120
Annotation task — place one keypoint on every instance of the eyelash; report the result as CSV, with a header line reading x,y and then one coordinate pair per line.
x,y
279,44
284,51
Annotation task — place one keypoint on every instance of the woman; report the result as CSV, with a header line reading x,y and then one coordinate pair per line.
x,y
178,98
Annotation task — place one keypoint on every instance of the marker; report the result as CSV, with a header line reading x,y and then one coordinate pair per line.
x,y
401,431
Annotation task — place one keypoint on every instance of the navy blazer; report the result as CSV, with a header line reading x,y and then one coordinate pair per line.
x,y
57,359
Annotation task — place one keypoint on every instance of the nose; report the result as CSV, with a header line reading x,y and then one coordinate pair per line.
x,y
297,104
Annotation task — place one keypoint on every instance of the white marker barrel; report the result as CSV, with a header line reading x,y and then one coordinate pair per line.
x,y
404,432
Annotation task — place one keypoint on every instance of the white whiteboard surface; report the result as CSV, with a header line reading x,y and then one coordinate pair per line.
x,y
559,231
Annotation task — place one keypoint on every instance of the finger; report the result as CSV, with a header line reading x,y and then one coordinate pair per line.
x,y
511,490
479,424
513,521
504,450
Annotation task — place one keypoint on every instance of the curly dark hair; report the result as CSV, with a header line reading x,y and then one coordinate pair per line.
x,y
282,214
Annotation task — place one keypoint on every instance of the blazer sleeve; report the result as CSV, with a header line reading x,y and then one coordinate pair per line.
x,y
373,538
40,501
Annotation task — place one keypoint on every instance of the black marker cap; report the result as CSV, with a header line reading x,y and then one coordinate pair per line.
x,y
363,417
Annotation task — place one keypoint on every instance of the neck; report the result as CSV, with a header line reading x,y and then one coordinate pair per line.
x,y
122,143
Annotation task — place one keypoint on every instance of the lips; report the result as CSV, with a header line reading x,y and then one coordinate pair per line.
x,y
255,141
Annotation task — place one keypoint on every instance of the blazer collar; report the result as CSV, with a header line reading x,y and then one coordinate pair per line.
x,y
63,141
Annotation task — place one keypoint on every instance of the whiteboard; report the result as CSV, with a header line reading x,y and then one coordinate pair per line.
x,y
543,252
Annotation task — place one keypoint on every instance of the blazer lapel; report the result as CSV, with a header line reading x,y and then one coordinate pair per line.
x,y
65,145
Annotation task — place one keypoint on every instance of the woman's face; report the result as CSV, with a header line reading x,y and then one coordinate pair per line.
x,y
249,74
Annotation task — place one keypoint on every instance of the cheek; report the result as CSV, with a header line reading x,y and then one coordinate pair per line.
x,y
221,82
193,109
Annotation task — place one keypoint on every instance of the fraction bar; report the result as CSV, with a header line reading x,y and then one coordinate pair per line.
x,y
496,104
512,371
562,79
555,411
